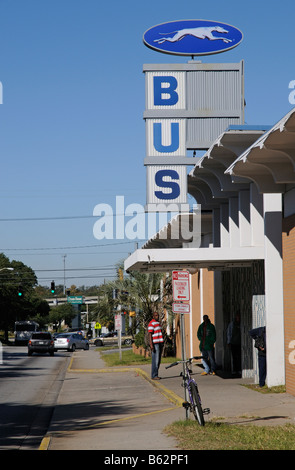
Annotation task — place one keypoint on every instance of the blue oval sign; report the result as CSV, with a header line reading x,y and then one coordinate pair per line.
x,y
192,37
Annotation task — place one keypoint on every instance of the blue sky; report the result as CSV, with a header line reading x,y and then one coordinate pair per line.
x,y
72,132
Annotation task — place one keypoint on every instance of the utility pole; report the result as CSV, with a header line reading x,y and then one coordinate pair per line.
x,y
64,257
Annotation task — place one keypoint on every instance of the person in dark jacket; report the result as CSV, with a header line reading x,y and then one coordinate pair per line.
x,y
207,337
259,336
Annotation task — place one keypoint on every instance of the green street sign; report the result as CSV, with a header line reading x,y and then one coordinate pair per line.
x,y
75,299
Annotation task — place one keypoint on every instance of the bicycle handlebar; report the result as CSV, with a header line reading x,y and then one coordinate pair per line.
x,y
183,362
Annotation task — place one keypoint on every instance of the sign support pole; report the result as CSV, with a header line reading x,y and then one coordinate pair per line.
x,y
183,358
120,345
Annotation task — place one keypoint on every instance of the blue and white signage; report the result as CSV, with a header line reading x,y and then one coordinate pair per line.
x,y
192,37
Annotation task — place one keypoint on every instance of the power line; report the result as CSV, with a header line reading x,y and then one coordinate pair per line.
x,y
67,247
104,268
65,217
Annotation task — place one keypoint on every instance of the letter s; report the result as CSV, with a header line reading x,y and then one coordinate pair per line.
x,y
175,189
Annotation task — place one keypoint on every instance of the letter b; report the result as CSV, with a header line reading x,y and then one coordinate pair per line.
x,y
160,90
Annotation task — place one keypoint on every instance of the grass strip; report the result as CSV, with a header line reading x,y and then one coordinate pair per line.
x,y
129,359
223,436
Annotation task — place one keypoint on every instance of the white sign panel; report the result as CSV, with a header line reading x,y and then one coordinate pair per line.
x,y
180,308
118,322
166,137
166,184
180,284
166,90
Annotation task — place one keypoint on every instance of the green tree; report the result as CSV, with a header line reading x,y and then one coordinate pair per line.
x,y
140,292
64,312
105,308
14,307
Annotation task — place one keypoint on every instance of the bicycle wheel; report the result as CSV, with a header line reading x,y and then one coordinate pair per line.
x,y
196,405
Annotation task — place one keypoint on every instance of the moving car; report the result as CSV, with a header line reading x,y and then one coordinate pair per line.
x,y
41,342
70,342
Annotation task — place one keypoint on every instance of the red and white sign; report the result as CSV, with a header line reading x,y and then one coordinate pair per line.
x,y
118,322
177,307
180,284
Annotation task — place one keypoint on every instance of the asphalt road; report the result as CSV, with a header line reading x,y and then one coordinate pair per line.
x,y
29,387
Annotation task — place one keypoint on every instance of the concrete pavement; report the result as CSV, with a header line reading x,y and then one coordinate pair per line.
x,y
103,408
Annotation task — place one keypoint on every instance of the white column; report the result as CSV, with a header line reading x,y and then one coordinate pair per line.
x,y
256,216
244,218
274,307
234,222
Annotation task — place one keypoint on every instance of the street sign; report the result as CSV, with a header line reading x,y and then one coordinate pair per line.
x,y
180,284
180,308
97,326
118,322
75,299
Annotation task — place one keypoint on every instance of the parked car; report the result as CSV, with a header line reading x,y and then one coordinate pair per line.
x,y
106,340
70,342
110,334
41,342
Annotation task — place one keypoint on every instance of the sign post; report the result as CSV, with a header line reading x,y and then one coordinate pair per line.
x,y
181,293
118,327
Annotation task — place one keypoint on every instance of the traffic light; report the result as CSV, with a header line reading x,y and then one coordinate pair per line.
x,y
52,287
20,291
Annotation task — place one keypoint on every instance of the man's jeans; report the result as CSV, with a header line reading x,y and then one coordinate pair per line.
x,y
208,360
156,359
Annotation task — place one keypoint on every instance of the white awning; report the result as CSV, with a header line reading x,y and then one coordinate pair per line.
x,y
270,161
168,259
208,182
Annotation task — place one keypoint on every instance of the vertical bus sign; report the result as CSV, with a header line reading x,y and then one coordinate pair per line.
x,y
165,138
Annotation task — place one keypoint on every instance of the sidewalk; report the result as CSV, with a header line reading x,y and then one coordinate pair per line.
x,y
122,408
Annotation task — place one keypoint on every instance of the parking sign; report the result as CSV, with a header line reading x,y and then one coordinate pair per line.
x,y
180,283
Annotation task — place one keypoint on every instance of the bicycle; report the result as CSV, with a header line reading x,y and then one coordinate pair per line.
x,y
194,404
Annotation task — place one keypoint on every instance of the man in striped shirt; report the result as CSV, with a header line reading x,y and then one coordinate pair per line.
x,y
156,344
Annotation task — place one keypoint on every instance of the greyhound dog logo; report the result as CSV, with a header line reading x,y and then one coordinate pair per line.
x,y
199,33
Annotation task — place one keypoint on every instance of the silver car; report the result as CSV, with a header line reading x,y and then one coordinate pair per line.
x,y
70,342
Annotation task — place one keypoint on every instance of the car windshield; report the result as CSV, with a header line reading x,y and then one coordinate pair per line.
x,y
65,335
41,336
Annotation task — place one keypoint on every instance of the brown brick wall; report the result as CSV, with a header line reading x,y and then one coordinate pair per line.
x,y
289,299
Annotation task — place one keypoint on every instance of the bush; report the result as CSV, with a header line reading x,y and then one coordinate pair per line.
x,y
140,339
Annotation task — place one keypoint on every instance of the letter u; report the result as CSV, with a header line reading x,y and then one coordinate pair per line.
x,y
174,145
